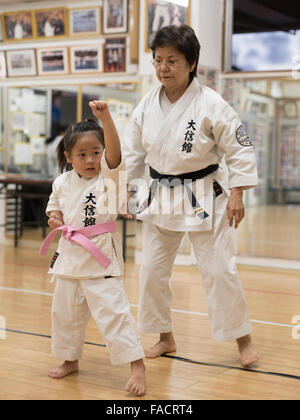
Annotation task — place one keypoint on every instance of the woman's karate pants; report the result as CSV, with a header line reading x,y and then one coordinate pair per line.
x,y
215,253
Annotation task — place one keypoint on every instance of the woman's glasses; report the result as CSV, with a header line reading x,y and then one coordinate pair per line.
x,y
171,64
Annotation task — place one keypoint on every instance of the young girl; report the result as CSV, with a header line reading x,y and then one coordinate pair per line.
x,y
88,263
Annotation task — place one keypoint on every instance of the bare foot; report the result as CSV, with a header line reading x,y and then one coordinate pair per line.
x,y
63,370
136,384
247,353
166,344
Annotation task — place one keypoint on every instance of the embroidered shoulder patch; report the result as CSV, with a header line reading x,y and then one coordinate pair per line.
x,y
242,136
54,258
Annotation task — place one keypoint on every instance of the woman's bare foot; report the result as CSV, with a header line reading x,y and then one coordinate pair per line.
x,y
63,370
166,344
136,384
247,353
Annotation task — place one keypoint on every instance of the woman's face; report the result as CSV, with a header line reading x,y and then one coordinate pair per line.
x,y
172,68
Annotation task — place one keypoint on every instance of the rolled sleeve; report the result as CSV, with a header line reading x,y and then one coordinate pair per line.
x,y
53,202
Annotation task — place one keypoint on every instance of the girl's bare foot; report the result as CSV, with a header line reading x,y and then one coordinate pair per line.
x,y
136,384
166,344
247,353
63,370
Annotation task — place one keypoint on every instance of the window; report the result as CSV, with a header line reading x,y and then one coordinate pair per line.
x,y
264,35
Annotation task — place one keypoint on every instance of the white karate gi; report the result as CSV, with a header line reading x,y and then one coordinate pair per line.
x,y
83,285
199,130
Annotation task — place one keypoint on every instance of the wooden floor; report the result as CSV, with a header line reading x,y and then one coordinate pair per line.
x,y
270,232
201,368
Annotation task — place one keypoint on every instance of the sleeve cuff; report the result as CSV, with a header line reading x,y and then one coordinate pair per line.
x,y
105,167
244,182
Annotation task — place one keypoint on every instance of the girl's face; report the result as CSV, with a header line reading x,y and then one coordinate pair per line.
x,y
86,155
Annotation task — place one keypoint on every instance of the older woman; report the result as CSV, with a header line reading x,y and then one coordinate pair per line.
x,y
182,130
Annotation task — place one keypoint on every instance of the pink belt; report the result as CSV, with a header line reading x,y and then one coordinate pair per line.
x,y
80,236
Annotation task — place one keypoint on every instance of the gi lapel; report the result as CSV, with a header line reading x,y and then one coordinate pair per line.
x,y
172,119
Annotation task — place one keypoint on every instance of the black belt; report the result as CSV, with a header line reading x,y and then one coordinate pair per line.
x,y
190,176
171,181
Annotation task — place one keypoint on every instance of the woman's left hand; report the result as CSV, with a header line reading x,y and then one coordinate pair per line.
x,y
235,207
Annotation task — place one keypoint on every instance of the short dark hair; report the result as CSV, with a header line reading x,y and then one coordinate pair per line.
x,y
73,133
184,39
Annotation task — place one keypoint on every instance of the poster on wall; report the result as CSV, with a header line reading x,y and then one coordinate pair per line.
x,y
115,55
160,13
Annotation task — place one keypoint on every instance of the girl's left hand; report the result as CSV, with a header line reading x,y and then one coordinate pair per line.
x,y
100,109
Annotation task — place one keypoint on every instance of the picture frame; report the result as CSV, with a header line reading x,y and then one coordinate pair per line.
x,y
51,23
54,60
1,35
17,26
84,21
115,16
86,58
2,65
21,63
115,55
159,13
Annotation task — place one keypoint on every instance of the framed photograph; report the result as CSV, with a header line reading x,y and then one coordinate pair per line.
x,y
17,26
85,21
160,13
53,60
115,55
115,16
2,65
21,63
51,23
86,59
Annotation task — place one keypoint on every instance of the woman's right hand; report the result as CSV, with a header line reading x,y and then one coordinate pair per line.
x,y
55,220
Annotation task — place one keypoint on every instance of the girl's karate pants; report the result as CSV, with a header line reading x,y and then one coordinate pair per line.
x,y
105,298
215,252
